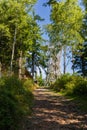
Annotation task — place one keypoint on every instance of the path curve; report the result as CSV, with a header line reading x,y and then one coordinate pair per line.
x,y
54,112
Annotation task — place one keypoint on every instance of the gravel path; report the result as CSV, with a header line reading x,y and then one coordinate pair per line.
x,y
54,112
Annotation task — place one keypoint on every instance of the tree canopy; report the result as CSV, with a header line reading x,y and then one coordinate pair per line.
x,y
20,34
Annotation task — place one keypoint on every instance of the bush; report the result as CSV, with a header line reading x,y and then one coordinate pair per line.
x,y
81,87
15,102
61,82
70,88
77,85
40,81
71,84
29,85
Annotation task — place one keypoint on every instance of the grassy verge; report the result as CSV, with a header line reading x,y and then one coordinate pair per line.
x,y
74,87
16,101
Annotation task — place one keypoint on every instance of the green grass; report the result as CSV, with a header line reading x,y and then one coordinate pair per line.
x,y
16,101
73,87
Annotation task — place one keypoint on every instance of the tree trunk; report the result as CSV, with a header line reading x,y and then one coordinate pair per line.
x,y
20,65
33,64
64,58
73,61
13,50
55,68
0,69
83,66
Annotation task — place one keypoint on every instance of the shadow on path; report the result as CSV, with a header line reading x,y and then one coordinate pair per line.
x,y
53,112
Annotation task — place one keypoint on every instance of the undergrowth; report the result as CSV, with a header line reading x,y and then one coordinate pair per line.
x,y
73,86
16,100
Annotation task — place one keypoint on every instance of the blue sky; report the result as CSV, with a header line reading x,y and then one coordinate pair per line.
x,y
44,12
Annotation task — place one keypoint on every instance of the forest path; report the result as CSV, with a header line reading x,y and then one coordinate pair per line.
x,y
54,112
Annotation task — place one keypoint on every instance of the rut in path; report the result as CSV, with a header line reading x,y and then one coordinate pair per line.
x,y
53,112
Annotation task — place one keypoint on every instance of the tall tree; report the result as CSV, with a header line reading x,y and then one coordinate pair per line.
x,y
80,55
66,17
15,29
36,55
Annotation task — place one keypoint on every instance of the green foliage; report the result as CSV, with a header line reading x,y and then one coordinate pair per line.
x,y
81,87
61,82
15,102
16,30
40,81
66,17
71,84
37,50
64,30
80,53
29,85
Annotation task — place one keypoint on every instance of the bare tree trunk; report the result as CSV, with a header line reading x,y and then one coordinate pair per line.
x,y
0,69
13,49
64,57
33,63
73,66
20,65
55,67
73,61
73,69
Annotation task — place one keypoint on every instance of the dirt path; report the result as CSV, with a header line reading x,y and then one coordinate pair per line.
x,y
53,112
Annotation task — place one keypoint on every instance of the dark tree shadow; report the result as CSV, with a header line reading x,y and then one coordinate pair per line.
x,y
55,113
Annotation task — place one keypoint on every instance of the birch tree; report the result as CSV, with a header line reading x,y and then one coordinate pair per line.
x,y
66,22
